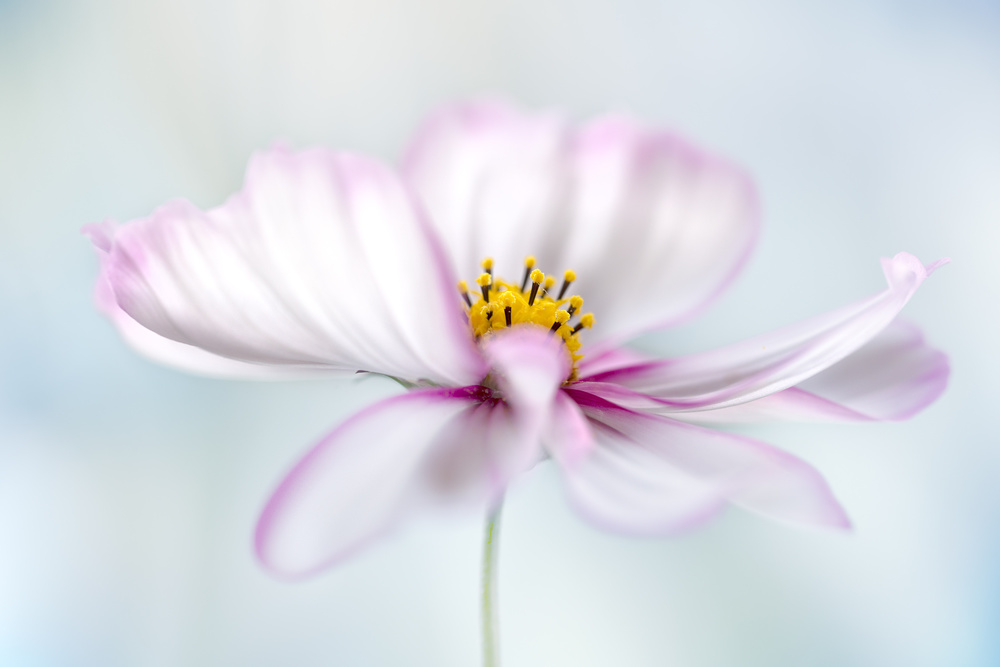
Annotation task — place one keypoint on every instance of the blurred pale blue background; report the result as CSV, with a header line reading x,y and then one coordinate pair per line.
x,y
128,492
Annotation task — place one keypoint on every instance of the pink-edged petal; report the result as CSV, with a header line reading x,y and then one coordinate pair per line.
x,y
168,352
529,364
651,475
658,227
773,362
653,227
322,261
493,181
893,377
430,447
568,437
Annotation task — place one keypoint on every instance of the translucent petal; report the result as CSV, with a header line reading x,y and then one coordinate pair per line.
x,y
321,262
651,475
773,362
653,227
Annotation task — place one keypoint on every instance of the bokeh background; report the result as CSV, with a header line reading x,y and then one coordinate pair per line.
x,y
128,492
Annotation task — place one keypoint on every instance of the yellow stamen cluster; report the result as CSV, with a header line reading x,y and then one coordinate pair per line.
x,y
500,305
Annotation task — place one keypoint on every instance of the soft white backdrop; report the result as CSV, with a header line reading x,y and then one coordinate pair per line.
x,y
128,492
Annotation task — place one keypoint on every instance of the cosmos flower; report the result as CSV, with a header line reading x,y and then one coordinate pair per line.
x,y
329,263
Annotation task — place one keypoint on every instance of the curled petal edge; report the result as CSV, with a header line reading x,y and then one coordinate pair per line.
x,y
768,364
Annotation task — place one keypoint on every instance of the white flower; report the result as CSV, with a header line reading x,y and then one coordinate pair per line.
x,y
328,263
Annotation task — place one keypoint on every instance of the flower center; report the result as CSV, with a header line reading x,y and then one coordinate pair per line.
x,y
500,304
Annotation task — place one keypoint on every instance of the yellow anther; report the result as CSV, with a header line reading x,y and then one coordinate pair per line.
x,y
484,281
560,319
568,277
505,305
586,322
529,264
536,281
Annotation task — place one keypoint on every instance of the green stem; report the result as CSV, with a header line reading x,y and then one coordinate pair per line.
x,y
491,540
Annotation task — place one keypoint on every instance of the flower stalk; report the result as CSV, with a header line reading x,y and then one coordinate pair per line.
x,y
491,538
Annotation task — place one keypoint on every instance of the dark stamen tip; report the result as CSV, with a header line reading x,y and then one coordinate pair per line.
x,y
534,293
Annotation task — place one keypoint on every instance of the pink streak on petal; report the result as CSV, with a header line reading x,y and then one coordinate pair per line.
x,y
791,404
624,397
654,475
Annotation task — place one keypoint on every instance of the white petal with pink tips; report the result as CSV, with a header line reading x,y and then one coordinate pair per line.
x,y
893,377
427,448
321,262
654,227
767,364
650,475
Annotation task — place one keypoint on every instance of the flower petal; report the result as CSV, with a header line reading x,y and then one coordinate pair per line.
x,y
893,377
659,228
765,365
568,437
168,352
493,180
650,475
321,262
653,227
430,447
529,365
609,358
